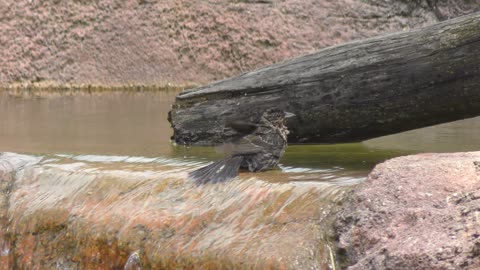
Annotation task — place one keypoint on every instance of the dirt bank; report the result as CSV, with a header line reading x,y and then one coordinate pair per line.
x,y
113,42
415,212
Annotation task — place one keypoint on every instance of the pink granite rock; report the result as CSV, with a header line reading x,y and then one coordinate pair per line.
x,y
415,212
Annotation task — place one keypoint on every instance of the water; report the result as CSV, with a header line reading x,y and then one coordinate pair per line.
x,y
135,124
114,123
103,210
458,136
107,157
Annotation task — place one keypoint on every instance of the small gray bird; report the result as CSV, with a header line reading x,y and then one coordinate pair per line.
x,y
259,148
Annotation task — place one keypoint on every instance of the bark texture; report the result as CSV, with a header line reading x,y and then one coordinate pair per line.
x,y
351,92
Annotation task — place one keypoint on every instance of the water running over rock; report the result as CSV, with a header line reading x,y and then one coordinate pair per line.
x,y
75,213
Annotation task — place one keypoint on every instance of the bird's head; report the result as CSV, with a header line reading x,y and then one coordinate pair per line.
x,y
275,116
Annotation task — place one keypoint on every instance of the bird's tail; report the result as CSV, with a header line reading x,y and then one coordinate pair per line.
x,y
218,171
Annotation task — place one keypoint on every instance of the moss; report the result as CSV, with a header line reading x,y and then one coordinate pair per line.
x,y
457,36
466,32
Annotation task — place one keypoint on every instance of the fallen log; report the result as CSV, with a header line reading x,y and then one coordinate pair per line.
x,y
351,92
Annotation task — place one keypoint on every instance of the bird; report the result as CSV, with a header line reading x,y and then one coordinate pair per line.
x,y
258,147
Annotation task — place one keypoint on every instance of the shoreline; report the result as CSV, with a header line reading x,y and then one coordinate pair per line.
x,y
46,90
57,86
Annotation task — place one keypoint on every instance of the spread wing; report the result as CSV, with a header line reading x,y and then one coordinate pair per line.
x,y
246,140
248,145
242,128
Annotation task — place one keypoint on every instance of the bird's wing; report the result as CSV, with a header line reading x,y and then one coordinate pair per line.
x,y
247,145
241,126
218,171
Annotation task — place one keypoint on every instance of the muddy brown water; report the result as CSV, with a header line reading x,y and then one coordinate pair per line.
x,y
134,124
128,132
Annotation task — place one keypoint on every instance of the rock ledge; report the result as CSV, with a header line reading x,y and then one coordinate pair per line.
x,y
415,212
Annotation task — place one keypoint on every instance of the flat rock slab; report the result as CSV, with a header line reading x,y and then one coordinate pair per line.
x,y
69,213
415,212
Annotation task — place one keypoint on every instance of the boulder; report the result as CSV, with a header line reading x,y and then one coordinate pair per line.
x,y
414,212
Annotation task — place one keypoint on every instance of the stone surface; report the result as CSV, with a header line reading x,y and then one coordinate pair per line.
x,y
415,212
69,213
9,165
115,42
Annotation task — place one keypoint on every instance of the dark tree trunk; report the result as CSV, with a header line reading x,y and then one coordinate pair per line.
x,y
350,92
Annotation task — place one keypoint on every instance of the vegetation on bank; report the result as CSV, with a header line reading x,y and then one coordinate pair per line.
x,y
48,88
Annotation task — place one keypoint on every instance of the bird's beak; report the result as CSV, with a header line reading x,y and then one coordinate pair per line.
x,y
289,115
